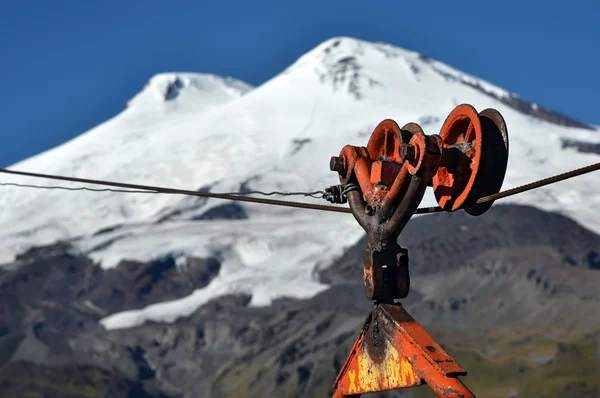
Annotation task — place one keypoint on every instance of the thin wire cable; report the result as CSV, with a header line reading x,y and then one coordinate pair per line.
x,y
526,187
424,210
153,189
12,184
540,183
314,194
529,187
238,196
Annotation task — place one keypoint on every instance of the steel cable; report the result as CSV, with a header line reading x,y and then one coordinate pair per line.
x,y
154,189
239,196
540,183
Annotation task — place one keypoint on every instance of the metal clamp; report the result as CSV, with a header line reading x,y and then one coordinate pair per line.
x,y
384,183
390,176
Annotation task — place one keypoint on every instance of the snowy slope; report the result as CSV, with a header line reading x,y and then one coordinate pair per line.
x,y
129,147
191,131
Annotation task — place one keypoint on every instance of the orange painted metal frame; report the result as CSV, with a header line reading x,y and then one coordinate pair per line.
x,y
384,182
393,351
452,187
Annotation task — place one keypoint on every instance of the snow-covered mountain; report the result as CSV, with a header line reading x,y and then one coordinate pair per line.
x,y
194,131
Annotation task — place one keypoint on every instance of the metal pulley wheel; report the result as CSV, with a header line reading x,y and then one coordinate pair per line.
x,y
474,161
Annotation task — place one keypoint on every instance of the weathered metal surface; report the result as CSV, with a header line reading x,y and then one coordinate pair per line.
x,y
393,351
335,194
494,160
376,363
391,174
475,157
384,183
462,139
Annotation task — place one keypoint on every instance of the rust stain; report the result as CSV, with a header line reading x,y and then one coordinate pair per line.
x,y
383,184
367,374
394,372
393,351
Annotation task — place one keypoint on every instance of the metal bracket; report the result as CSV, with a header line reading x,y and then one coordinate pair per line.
x,y
393,351
390,176
384,184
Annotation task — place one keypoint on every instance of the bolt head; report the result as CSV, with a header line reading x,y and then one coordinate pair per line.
x,y
336,164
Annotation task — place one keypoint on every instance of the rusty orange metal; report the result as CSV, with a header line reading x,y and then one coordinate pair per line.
x,y
475,157
462,139
384,183
376,167
393,351
494,160
389,177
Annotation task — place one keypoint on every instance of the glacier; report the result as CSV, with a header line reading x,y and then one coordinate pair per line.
x,y
200,131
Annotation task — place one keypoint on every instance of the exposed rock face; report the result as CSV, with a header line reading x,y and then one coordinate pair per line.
x,y
54,295
21,379
516,102
481,287
230,211
581,146
433,248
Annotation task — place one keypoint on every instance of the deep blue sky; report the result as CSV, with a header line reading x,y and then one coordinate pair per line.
x,y
66,66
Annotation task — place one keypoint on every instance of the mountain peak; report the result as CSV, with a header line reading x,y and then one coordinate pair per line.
x,y
194,130
357,67
341,47
171,87
199,131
